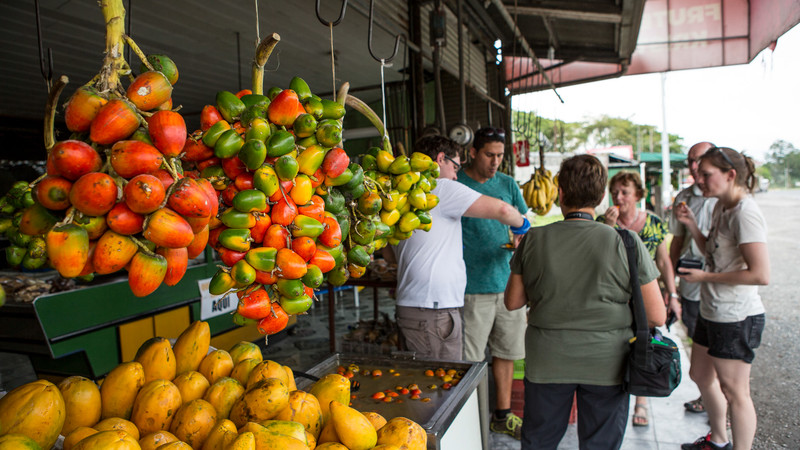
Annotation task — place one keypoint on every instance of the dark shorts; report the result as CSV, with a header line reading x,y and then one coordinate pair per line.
x,y
690,310
735,340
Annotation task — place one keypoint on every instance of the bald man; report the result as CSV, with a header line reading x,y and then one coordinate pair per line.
x,y
684,247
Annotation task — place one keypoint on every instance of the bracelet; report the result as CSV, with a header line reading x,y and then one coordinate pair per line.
x,y
674,295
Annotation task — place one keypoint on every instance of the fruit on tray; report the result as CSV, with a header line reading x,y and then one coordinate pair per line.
x,y
35,410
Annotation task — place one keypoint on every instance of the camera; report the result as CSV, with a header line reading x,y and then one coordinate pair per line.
x,y
689,263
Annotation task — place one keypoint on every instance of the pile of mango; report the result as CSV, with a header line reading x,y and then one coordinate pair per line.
x,y
188,396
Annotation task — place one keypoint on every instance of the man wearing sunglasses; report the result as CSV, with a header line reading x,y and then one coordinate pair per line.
x,y
486,319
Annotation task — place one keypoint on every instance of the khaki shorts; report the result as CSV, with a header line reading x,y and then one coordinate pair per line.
x,y
486,320
431,333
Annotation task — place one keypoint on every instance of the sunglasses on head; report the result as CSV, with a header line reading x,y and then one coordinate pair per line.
x,y
490,132
725,157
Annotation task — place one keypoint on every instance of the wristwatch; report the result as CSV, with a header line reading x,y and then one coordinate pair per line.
x,y
674,295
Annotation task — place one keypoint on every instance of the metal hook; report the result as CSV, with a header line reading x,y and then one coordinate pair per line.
x,y
369,41
341,15
46,74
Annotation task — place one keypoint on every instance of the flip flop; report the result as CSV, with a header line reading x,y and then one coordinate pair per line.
x,y
695,406
643,421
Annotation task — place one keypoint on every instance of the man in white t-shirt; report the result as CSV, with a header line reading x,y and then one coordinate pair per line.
x,y
684,247
431,274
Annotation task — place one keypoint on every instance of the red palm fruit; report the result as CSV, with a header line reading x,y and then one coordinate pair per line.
x,y
198,244
88,268
213,236
177,263
95,226
165,177
145,273
243,92
239,128
255,305
284,108
266,277
131,158
289,265
168,132
144,194
113,252
284,212
189,199
149,90
82,108
209,116
73,159
323,260
227,195
195,150
257,233
213,195
230,257
286,187
317,178
335,162
244,181
314,209
115,121
36,219
198,223
332,236
233,167
93,194
67,249
304,246
277,236
274,322
166,228
124,221
166,106
213,161
53,192
50,166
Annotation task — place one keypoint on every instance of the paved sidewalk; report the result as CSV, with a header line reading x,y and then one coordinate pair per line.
x,y
670,424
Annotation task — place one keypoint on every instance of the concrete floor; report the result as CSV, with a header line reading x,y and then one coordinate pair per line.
x,y
306,344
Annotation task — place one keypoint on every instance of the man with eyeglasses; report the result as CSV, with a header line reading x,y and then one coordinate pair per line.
x,y
486,318
431,276
684,248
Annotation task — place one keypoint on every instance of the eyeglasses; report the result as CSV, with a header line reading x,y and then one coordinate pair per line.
x,y
456,165
491,132
726,157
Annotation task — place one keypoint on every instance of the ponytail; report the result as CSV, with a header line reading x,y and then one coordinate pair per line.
x,y
725,159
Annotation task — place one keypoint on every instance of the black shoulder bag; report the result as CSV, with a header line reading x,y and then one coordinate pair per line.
x,y
654,363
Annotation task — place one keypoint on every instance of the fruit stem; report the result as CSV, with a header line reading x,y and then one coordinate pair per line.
x,y
50,111
114,61
138,52
263,52
363,108
142,247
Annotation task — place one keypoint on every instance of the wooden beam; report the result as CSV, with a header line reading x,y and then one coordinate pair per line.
x,y
570,14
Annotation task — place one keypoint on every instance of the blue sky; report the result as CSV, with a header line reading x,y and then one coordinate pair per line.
x,y
745,107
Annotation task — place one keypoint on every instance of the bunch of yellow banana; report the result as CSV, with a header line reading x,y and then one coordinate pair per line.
x,y
540,192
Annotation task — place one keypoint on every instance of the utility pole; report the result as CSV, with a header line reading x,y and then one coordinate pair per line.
x,y
666,185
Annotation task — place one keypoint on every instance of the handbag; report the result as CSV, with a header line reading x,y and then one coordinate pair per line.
x,y
654,364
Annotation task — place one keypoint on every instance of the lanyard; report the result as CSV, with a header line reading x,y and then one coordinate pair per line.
x,y
578,215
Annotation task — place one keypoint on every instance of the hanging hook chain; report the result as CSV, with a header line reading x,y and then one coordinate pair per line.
x,y
47,73
369,38
333,63
336,22
383,101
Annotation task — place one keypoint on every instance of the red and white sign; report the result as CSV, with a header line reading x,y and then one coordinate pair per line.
x,y
522,150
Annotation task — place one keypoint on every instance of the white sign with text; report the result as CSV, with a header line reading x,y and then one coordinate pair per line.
x,y
214,305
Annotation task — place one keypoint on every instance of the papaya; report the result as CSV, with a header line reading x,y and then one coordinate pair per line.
x,y
16,441
312,441
35,410
304,409
177,445
154,440
222,434
119,389
241,371
82,403
260,402
404,433
108,440
290,376
155,406
286,428
245,350
216,365
223,394
267,369
192,385
76,436
355,431
244,441
266,439
328,434
331,387
193,422
157,359
191,346
115,423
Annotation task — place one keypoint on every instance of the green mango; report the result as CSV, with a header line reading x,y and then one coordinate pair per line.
x,y
232,218
258,129
304,126
382,230
273,92
229,105
334,202
31,263
342,179
286,167
280,143
408,222
290,288
311,159
253,153
332,109
212,134
313,106
424,217
250,200
221,283
363,232
243,273
369,163
228,144
262,258
358,255
300,87
14,255
329,135
313,277
356,180
373,151
266,180
400,165
344,224
252,113
251,100
417,198
236,239
295,305
19,238
303,226
338,275
308,141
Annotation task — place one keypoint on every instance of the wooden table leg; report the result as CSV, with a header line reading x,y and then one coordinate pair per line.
x,y
331,321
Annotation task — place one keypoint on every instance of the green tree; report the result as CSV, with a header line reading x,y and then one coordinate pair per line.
x,y
783,163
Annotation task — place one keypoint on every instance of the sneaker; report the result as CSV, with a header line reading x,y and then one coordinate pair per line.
x,y
704,443
511,425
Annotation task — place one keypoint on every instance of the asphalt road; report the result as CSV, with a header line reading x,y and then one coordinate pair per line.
x,y
775,379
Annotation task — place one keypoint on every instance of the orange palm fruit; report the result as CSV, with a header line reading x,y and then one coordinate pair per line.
x,y
82,108
68,249
149,90
145,273
115,121
166,228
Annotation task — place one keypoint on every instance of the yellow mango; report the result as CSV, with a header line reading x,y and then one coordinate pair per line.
x,y
191,346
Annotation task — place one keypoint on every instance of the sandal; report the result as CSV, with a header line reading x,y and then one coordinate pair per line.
x,y
640,420
695,406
